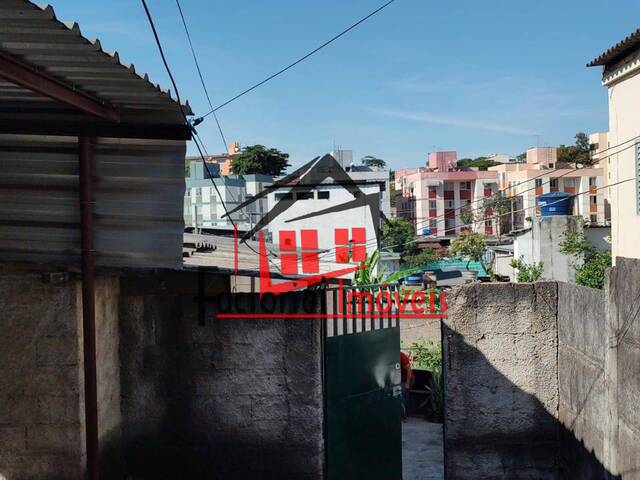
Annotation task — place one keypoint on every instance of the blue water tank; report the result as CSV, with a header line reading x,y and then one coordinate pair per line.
x,y
555,203
426,231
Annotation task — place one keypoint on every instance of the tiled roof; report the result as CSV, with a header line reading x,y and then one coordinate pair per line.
x,y
618,51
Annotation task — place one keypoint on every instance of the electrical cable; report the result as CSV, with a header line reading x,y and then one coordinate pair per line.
x,y
301,59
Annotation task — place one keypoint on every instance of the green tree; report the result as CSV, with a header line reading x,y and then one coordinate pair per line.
x,y
578,153
257,159
482,163
420,258
371,161
392,188
590,263
499,206
399,234
526,272
470,246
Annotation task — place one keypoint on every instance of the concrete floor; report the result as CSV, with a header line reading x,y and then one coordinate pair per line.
x,y
422,453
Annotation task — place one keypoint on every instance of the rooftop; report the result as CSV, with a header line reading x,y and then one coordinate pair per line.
x,y
618,51
56,79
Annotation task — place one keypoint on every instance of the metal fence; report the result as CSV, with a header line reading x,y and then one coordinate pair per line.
x,y
355,309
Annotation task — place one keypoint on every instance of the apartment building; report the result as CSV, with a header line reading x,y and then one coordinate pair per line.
x,y
204,204
222,161
621,75
433,198
542,174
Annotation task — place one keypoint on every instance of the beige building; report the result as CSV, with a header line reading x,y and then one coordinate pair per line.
x,y
542,174
621,68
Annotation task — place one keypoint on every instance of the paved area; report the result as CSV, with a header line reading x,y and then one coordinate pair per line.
x,y
422,454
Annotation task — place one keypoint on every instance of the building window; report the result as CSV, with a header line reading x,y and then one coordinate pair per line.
x,y
448,204
593,200
551,165
433,223
465,185
592,181
553,183
323,195
487,223
432,205
448,187
538,182
593,218
284,196
304,195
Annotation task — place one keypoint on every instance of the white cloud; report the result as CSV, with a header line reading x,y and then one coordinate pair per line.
x,y
437,119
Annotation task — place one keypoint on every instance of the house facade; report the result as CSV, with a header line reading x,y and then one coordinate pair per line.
x,y
434,198
325,195
621,75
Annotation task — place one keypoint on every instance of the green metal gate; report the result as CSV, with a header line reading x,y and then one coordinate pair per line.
x,y
362,390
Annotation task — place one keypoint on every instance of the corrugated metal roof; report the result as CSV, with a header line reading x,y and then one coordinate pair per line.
x,y
618,51
139,189
34,34
222,257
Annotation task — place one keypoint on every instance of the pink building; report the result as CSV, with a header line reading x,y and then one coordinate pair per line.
x,y
433,198
442,161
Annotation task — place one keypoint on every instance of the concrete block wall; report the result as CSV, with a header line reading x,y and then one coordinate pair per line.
x,y
233,398
40,420
543,380
622,370
582,324
41,377
500,367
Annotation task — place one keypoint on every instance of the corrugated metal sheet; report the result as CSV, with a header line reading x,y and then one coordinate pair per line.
x,y
35,35
139,188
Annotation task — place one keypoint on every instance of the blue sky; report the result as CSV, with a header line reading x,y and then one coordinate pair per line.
x,y
474,76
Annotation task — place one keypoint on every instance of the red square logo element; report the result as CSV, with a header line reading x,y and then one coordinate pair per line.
x,y
289,262
309,239
287,240
359,235
342,237
342,254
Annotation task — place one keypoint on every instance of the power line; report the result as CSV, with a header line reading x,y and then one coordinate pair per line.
x,y
175,86
202,82
301,59
373,241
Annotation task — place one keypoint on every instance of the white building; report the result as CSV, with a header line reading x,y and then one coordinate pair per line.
x,y
328,194
621,76
204,205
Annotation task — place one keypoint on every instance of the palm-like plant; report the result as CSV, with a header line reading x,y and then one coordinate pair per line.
x,y
369,275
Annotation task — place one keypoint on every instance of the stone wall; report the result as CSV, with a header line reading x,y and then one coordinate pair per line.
x,y
582,326
500,367
233,398
41,376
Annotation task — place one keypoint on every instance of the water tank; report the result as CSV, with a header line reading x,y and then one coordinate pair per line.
x,y
555,203
426,231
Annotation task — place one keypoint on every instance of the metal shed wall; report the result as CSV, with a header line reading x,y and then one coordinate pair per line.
x,y
139,190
